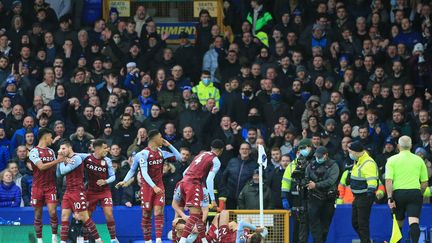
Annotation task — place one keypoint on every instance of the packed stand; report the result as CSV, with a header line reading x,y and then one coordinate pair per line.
x,y
333,72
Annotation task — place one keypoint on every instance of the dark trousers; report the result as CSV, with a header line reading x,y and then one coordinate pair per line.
x,y
361,209
320,214
300,225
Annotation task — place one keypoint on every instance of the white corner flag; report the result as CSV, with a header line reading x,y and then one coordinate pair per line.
x,y
262,157
262,161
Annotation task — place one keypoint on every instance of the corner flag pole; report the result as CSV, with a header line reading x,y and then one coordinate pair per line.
x,y
261,196
262,161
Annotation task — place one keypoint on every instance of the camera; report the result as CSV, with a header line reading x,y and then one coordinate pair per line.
x,y
299,174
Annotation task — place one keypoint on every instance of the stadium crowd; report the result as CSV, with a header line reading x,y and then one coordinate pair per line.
x,y
329,71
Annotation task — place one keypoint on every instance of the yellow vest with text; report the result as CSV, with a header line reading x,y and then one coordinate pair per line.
x,y
364,175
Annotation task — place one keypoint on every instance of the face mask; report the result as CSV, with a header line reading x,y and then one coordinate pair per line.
x,y
275,97
254,119
304,152
353,157
247,93
205,81
319,160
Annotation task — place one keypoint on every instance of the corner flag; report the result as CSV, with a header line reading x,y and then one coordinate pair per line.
x,y
396,233
262,157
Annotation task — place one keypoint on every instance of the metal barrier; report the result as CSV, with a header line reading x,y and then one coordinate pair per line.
x,y
276,221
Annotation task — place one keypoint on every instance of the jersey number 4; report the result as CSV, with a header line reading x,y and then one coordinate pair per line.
x,y
199,158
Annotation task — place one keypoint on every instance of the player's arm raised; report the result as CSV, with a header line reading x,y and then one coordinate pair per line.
x,y
174,151
210,180
35,159
130,173
111,174
70,166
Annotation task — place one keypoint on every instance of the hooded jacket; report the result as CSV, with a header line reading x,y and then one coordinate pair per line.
x,y
311,111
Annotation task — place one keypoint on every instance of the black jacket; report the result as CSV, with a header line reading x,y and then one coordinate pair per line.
x,y
235,176
124,137
274,184
324,175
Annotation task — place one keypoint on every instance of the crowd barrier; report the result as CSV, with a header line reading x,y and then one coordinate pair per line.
x,y
128,222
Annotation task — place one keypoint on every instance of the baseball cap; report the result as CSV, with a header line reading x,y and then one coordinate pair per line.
x,y
305,143
300,68
389,140
317,27
187,87
330,121
320,151
356,146
131,65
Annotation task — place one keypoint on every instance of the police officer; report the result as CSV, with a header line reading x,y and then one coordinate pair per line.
x,y
364,183
323,176
406,180
290,194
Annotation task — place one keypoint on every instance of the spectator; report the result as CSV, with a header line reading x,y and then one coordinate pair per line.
x,y
19,136
250,192
259,18
170,178
46,89
139,143
274,182
10,193
125,134
107,135
170,99
154,120
210,61
14,120
206,89
141,18
238,171
185,56
80,140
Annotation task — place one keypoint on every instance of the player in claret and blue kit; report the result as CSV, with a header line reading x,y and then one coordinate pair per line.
x,y
202,169
44,191
74,199
150,161
100,174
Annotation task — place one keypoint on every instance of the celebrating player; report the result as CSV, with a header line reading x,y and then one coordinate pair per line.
x,y
100,173
205,165
43,191
150,161
74,198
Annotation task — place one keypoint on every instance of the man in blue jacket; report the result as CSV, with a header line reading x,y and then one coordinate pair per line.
x,y
238,171
19,136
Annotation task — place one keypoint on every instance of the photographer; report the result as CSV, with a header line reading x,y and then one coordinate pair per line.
x,y
322,175
293,190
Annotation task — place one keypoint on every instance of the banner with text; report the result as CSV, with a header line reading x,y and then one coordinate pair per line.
x,y
174,29
123,6
211,6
